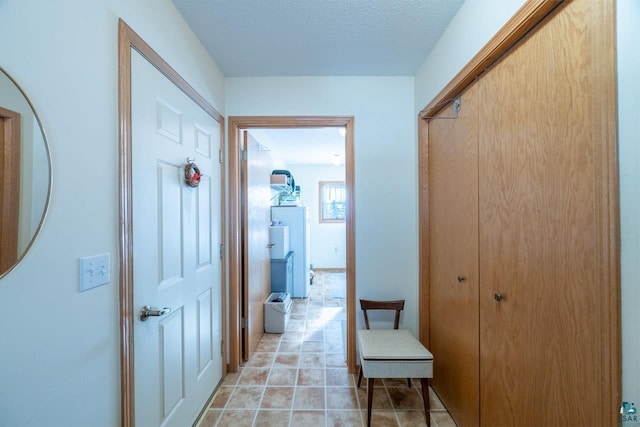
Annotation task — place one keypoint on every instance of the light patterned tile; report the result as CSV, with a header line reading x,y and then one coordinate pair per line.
x,y
260,360
210,418
231,378
311,377
339,377
277,398
254,376
271,337
434,402
443,419
245,398
287,346
236,418
380,398
295,325
342,418
282,377
383,419
405,398
412,418
314,336
300,378
313,346
342,398
312,360
334,347
267,346
335,360
307,418
315,325
221,397
273,418
293,335
398,382
286,360
309,398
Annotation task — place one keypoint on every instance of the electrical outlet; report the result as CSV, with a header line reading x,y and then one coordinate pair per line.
x,y
94,271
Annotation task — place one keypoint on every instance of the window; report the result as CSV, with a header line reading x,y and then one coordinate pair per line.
x,y
333,201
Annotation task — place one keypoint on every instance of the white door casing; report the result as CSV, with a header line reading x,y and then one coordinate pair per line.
x,y
176,262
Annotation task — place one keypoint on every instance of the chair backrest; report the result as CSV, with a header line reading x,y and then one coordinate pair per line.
x,y
397,305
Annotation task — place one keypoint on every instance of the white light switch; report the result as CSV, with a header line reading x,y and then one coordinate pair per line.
x,y
94,271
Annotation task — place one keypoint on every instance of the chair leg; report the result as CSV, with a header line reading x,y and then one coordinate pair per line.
x,y
409,382
359,376
369,399
425,399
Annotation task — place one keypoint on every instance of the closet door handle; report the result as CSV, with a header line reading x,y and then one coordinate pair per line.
x,y
497,296
461,279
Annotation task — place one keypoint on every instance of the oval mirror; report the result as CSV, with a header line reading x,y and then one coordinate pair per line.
x,y
25,166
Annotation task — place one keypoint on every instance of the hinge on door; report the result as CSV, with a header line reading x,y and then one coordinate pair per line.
x,y
220,156
221,250
222,348
243,155
243,323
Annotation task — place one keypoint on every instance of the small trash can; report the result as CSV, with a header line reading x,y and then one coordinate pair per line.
x,y
277,311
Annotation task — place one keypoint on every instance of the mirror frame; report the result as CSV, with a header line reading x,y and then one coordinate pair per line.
x,y
47,201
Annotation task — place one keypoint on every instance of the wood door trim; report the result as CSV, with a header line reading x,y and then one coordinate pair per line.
x,y
423,231
127,40
526,18
10,201
605,121
235,125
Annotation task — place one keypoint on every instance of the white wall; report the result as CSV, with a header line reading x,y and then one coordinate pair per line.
x,y
474,25
328,240
59,348
385,167
628,34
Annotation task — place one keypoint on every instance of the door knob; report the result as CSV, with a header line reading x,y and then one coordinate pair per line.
x,y
497,296
146,312
461,279
271,245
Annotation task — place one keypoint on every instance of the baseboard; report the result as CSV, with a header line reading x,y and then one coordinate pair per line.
x,y
329,270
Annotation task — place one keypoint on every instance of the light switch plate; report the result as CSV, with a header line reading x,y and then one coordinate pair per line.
x,y
94,271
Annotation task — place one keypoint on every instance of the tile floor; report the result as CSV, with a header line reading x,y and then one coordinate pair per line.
x,y
300,378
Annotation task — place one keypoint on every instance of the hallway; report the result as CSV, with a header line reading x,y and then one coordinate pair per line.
x,y
300,378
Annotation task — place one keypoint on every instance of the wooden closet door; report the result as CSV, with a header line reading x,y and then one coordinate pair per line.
x,y
453,216
543,128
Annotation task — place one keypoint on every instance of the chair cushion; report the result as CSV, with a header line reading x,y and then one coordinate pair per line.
x,y
383,344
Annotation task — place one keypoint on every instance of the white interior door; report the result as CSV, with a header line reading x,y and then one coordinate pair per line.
x,y
176,261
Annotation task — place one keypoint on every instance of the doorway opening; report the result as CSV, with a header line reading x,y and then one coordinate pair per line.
x,y
268,128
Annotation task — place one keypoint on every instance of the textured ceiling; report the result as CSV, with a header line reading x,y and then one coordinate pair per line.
x,y
251,38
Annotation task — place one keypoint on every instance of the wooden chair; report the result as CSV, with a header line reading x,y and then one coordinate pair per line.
x,y
392,353
397,305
